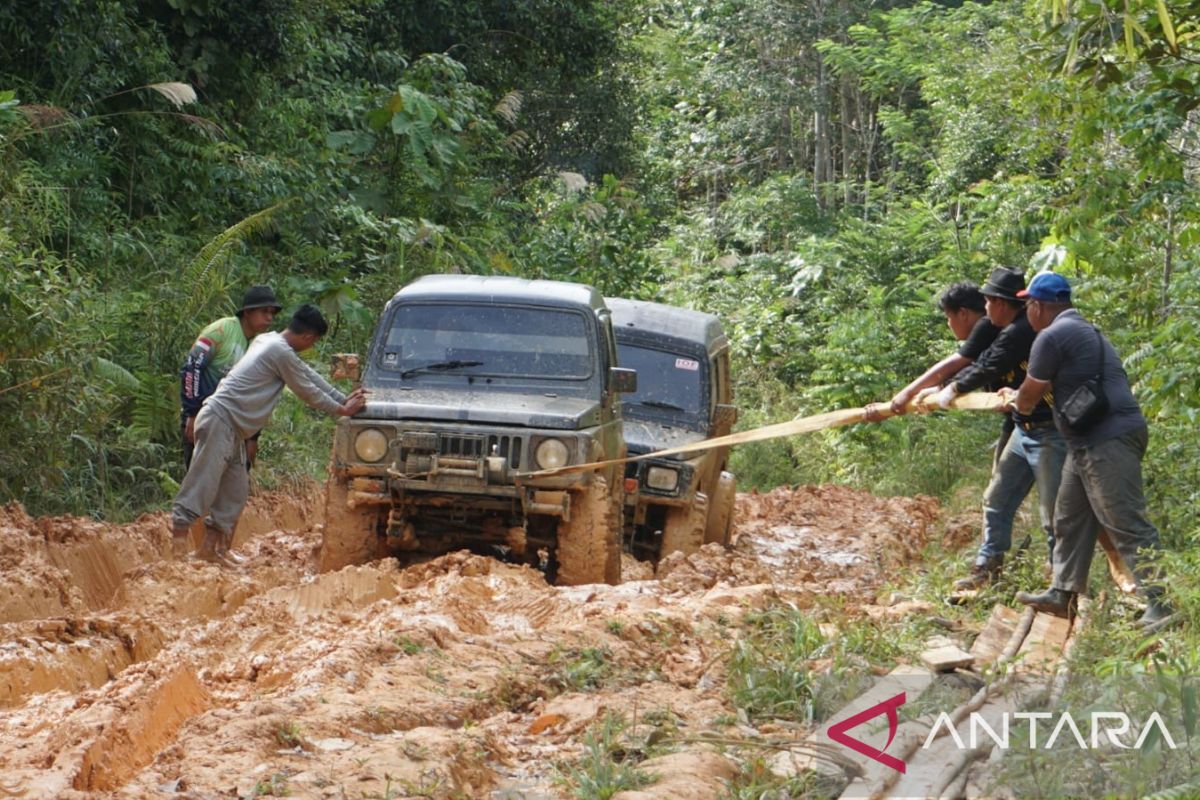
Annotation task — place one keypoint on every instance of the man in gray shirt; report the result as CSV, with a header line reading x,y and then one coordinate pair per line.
x,y
217,482
1102,476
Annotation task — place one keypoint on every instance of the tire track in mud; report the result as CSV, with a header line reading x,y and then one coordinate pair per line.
x,y
126,675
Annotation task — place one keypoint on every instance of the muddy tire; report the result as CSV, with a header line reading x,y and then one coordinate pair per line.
x,y
350,535
683,529
720,511
589,543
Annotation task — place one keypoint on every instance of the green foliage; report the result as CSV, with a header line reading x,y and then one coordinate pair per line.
x,y
580,670
604,768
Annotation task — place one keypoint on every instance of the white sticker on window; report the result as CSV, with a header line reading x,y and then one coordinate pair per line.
x,y
688,364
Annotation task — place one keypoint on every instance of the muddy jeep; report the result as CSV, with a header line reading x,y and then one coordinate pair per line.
x,y
684,395
473,383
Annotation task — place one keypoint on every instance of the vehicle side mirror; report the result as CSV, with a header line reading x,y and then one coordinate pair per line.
x,y
345,367
622,379
725,416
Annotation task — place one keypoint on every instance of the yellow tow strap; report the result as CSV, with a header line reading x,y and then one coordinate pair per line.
x,y
973,401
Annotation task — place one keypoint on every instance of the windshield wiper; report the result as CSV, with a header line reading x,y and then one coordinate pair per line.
x,y
439,366
658,404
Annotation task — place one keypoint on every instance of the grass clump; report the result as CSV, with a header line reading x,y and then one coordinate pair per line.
x,y
290,734
756,781
580,670
607,765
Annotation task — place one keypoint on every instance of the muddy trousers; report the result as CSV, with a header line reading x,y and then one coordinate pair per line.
x,y
1102,486
1030,457
216,483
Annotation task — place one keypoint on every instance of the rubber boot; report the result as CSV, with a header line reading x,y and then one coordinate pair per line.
x,y
1158,613
1058,602
181,543
981,574
225,548
210,549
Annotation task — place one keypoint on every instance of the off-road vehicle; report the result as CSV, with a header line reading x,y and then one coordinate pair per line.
x,y
683,395
473,383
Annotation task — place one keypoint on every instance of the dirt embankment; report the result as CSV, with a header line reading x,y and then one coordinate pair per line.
x,y
126,674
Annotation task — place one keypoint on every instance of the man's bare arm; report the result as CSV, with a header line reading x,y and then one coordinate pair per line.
x,y
1023,399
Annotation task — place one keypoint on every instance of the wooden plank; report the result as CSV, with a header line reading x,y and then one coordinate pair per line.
x,y
1043,647
990,642
818,752
946,658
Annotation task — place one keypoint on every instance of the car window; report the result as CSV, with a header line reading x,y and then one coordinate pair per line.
x,y
666,381
483,339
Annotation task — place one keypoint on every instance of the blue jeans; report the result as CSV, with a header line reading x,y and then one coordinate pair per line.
x,y
1030,457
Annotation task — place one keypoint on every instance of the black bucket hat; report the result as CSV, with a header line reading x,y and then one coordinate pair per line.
x,y
1004,283
263,297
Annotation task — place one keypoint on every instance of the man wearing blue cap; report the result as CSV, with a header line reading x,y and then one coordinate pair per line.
x,y
1102,478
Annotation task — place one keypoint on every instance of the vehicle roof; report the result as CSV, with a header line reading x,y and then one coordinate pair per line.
x,y
492,288
652,320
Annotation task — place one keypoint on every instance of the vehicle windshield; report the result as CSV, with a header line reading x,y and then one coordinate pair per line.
x,y
666,382
487,340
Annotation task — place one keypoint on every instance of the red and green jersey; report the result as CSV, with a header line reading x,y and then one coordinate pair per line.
x,y
218,347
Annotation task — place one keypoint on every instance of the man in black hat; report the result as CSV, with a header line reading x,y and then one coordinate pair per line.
x,y
1035,452
218,347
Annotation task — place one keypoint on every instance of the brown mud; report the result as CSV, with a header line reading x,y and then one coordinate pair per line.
x,y
126,674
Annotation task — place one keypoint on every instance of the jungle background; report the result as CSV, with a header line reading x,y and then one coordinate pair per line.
x,y
813,171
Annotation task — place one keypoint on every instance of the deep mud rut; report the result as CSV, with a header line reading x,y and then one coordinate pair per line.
x,y
126,674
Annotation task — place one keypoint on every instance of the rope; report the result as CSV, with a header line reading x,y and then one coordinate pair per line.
x,y
973,401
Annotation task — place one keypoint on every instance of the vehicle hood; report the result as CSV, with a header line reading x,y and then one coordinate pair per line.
x,y
532,410
646,437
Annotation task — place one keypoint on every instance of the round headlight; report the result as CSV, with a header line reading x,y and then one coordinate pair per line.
x,y
370,445
662,478
551,454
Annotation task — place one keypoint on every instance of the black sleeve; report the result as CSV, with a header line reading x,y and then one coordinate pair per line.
x,y
1002,363
980,338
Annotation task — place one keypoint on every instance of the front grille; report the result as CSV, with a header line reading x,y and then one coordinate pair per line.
x,y
460,446
507,446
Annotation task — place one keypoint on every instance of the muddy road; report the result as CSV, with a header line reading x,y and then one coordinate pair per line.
x,y
126,674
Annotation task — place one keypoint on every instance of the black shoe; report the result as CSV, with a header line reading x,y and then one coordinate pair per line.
x,y
981,574
1158,615
1058,602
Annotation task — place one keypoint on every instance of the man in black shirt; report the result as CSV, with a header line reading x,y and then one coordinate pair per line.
x,y
963,305
1034,454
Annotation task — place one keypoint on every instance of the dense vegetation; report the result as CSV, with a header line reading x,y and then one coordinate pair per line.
x,y
814,172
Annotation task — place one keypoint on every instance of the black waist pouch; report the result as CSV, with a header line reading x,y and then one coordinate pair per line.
x,y
1088,404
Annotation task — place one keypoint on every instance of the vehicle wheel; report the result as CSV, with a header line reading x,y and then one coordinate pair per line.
x,y
720,512
350,535
589,544
684,527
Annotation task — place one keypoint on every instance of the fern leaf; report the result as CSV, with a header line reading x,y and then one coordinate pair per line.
x,y
117,375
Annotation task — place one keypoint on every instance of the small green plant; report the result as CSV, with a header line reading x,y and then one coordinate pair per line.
x,y
769,670
604,769
408,646
289,734
580,670
516,690
615,626
756,781
277,786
